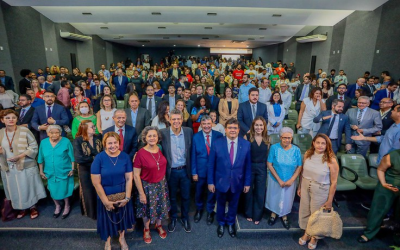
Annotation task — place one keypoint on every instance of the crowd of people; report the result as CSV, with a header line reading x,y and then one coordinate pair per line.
x,y
147,131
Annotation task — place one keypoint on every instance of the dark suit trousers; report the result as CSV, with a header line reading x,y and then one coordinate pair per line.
x,y
201,187
334,146
255,198
179,180
233,200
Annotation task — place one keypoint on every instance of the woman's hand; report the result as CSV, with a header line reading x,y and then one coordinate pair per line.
x,y
390,187
15,158
288,183
43,175
122,203
327,205
299,192
281,183
109,205
71,173
298,125
143,199
1,150
201,111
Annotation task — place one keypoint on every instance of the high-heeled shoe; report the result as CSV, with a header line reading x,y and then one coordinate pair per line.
x,y
311,245
303,242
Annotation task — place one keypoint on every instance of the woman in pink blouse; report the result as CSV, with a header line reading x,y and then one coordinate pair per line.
x,y
63,94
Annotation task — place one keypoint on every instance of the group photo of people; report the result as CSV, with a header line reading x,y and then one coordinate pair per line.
x,y
141,143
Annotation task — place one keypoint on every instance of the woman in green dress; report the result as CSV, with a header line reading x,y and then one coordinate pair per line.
x,y
84,113
56,163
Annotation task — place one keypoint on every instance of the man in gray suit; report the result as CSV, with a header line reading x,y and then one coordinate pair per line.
x,y
363,120
150,102
136,116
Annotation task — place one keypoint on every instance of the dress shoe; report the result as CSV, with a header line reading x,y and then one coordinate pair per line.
x,y
210,218
186,225
220,231
232,231
362,239
285,223
56,215
271,221
172,225
198,215
64,216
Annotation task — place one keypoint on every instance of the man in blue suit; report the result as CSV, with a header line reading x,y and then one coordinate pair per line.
x,y
249,110
229,174
213,99
127,134
201,146
49,114
121,83
6,80
334,123
351,89
384,93
97,88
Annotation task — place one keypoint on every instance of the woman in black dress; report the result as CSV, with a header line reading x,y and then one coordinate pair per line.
x,y
255,198
86,146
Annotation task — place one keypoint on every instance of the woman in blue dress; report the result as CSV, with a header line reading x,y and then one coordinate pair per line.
x,y
284,164
111,173
56,164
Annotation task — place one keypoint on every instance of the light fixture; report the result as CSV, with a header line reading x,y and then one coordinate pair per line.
x,y
86,13
142,45
198,45
262,28
174,45
248,46
211,14
156,13
208,28
224,45
104,28
161,27
276,15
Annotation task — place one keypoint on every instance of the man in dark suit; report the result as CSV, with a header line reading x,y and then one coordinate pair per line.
x,y
176,147
137,81
201,147
136,116
26,112
371,87
341,90
334,123
7,81
174,72
229,174
96,89
121,83
189,103
151,78
302,91
171,97
213,99
384,93
249,110
56,85
150,102
199,92
165,81
49,114
25,82
127,134
62,74
182,82
351,89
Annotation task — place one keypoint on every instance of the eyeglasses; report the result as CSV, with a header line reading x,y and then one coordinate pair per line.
x,y
385,102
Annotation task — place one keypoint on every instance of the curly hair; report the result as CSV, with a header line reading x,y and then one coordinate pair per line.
x,y
197,104
328,154
146,131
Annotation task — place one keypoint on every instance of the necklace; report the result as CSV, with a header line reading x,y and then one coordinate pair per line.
x,y
157,161
112,160
10,142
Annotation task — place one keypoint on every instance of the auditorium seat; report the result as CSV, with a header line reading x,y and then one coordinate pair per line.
x,y
293,115
292,106
373,165
275,138
303,141
358,164
289,123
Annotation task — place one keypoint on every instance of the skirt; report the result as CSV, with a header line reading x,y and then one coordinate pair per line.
x,y
109,223
87,192
60,188
23,188
158,204
279,200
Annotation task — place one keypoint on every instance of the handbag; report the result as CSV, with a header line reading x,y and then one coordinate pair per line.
x,y
7,212
116,197
325,223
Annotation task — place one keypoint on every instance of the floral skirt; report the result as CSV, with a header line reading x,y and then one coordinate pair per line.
x,y
158,205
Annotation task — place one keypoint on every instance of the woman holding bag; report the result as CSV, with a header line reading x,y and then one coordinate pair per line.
x,y
318,182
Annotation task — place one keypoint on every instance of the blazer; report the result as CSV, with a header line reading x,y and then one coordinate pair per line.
x,y
223,110
88,93
347,102
178,84
40,117
344,126
93,90
387,122
151,80
143,119
222,173
214,103
194,97
166,98
143,102
371,123
170,73
297,95
120,89
27,117
189,106
23,85
351,90
199,152
379,95
166,149
371,90
9,83
130,139
245,115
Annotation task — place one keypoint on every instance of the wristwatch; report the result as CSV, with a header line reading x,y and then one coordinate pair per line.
x,y
127,198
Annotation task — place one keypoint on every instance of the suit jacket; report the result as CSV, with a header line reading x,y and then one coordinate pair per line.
x,y
130,139
214,103
189,106
245,115
151,80
387,122
379,95
178,84
27,117
199,152
222,173
347,102
120,88
166,98
55,87
194,98
143,119
23,85
170,73
9,83
93,90
40,117
344,126
223,109
371,90
351,90
297,95
88,93
371,123
143,102
166,149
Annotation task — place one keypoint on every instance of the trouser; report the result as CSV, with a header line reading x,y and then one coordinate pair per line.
x,y
381,204
360,149
201,187
233,200
335,146
179,180
255,198
313,197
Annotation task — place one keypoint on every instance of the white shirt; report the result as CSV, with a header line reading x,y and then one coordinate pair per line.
x,y
287,100
116,130
234,148
209,138
334,132
363,113
264,95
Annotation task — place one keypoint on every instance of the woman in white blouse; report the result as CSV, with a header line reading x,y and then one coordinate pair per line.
x,y
276,113
162,118
310,108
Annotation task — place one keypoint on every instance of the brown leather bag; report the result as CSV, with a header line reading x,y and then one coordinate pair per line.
x,y
116,197
7,212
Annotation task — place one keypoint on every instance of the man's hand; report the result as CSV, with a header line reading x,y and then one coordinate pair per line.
x,y
354,127
359,137
43,127
326,117
211,188
246,189
195,177
50,120
348,147
360,131
288,183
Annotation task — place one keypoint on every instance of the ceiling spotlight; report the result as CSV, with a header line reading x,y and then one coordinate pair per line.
x,y
174,45
156,13
87,13
198,45
142,45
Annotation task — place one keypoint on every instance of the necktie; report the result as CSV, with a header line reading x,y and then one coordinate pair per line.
x,y
98,90
331,125
48,111
341,97
150,107
208,144
22,114
359,116
303,93
231,152
121,141
254,110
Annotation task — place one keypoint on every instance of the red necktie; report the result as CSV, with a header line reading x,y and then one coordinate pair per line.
x,y
121,141
208,144
341,98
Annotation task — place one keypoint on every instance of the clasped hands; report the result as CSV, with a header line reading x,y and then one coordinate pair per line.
x,y
211,188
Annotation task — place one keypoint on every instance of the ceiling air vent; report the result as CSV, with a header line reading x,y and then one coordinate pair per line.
x,y
165,37
208,28
276,15
161,28
211,14
86,13
156,13
262,28
143,41
104,28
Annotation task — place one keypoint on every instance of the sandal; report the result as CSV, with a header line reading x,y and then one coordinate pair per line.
x,y
21,214
249,219
311,245
146,236
107,246
126,247
363,239
256,222
161,232
303,242
34,213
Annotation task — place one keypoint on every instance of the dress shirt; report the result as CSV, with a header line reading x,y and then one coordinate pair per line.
x,y
389,142
305,91
209,138
264,95
287,100
116,130
171,100
178,149
334,132
102,83
363,113
244,92
389,94
47,108
134,116
343,97
106,73
234,147
26,111
3,79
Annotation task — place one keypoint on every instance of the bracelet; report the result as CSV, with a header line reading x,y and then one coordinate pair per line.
x,y
127,198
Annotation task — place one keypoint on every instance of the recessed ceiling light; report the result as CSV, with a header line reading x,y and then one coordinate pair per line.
x,y
87,13
208,28
276,15
248,46
174,45
156,13
162,27
262,28
142,45
211,14
198,45
104,28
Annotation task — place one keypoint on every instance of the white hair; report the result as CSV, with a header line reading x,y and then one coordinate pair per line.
x,y
51,127
286,130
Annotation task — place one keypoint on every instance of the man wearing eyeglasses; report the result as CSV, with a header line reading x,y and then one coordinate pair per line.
x,y
341,91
